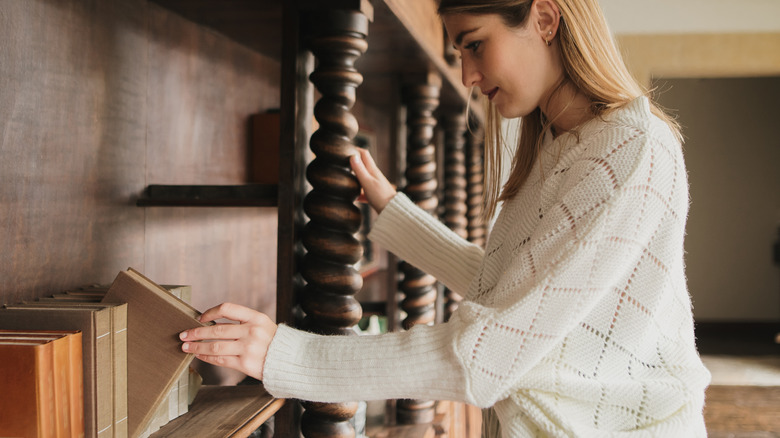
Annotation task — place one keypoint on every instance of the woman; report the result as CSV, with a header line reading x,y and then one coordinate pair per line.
x,y
576,319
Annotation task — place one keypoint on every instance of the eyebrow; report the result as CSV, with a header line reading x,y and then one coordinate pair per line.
x,y
459,38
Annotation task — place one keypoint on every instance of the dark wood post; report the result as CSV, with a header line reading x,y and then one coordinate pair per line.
x,y
337,38
418,287
477,231
455,195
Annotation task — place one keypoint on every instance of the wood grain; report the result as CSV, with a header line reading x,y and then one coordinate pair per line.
x,y
223,411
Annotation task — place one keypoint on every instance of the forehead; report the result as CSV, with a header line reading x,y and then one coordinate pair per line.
x,y
460,25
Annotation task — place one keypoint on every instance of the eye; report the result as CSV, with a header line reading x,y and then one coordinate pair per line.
x,y
473,46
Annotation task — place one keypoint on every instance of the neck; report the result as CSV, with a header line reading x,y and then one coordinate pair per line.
x,y
567,108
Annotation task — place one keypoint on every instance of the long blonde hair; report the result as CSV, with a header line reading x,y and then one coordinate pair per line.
x,y
591,62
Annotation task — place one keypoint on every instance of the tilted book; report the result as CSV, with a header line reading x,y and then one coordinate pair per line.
x,y
155,361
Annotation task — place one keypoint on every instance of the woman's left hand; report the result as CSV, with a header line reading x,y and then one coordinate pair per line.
x,y
241,346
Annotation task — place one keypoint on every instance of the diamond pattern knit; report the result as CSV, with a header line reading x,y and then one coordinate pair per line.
x,y
576,319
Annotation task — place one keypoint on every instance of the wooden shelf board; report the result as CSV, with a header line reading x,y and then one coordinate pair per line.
x,y
241,195
224,411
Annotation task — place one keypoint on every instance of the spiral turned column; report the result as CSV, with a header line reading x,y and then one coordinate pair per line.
x,y
419,288
337,40
477,231
455,194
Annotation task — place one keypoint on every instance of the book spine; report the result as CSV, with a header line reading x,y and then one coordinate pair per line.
x,y
103,374
61,377
44,389
119,316
76,377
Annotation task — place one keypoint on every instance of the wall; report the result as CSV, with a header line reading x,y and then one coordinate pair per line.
x,y
732,156
709,48
691,16
100,99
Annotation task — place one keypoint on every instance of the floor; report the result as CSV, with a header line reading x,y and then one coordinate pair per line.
x,y
743,400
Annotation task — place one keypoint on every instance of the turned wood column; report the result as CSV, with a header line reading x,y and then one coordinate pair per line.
x,y
337,39
477,231
419,288
455,194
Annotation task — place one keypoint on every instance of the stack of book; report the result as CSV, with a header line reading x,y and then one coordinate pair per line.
x,y
135,376
41,384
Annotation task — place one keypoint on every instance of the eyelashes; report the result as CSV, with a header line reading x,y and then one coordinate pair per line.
x,y
474,46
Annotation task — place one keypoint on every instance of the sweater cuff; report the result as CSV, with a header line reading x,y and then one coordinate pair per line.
x,y
420,239
419,363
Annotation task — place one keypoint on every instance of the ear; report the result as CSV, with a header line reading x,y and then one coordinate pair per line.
x,y
546,17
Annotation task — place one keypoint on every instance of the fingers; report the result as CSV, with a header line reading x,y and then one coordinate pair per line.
x,y
359,167
218,331
215,348
369,162
231,311
377,189
364,166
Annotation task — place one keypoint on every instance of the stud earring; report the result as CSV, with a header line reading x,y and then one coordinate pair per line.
x,y
549,38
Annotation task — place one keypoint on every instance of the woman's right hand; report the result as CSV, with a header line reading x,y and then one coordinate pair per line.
x,y
377,189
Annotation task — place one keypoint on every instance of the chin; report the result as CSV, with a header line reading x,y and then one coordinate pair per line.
x,y
513,112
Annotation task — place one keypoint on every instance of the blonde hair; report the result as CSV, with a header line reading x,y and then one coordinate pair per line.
x,y
592,64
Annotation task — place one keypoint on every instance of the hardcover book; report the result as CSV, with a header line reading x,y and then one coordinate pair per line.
x,y
95,325
27,407
155,317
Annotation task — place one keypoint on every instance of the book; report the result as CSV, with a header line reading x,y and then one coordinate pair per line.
x,y
118,355
27,407
155,317
68,377
95,324
178,398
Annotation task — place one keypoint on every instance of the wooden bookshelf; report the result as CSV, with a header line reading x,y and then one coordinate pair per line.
x,y
176,82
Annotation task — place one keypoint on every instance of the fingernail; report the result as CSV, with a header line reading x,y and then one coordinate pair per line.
x,y
185,347
183,335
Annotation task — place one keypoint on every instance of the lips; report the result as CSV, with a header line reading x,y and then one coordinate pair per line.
x,y
491,93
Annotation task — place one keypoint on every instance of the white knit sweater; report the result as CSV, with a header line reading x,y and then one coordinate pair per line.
x,y
576,320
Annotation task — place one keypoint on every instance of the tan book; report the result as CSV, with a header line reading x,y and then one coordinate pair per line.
x,y
27,405
68,376
184,293
155,361
95,324
118,356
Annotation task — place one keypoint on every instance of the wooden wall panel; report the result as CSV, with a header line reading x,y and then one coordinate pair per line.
x,y
72,128
202,90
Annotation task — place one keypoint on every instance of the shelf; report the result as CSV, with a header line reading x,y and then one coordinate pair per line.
x,y
242,195
224,411
406,40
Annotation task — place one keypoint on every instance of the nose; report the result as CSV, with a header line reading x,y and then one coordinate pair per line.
x,y
470,75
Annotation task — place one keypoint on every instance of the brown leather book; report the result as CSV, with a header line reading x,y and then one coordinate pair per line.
x,y
95,324
155,361
68,379
27,405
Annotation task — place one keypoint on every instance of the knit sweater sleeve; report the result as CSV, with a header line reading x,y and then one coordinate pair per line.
x,y
423,241
418,363
613,204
